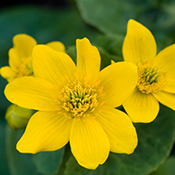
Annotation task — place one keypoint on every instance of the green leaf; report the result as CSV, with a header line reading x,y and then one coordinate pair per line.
x,y
111,43
155,143
109,17
167,168
3,158
48,162
43,24
71,51
106,58
67,154
19,164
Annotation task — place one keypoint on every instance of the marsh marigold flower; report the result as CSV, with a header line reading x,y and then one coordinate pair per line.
x,y
76,104
20,57
156,74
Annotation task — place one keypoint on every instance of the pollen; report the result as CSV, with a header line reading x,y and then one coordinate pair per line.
x,y
151,79
79,99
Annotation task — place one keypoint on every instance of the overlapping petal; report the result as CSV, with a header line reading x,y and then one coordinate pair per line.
x,y
89,143
141,107
165,61
167,99
7,73
46,131
88,60
56,67
119,128
118,81
56,45
24,45
33,93
14,59
139,44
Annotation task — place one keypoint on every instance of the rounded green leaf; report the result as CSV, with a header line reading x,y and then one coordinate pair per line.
x,y
110,17
167,168
48,162
19,164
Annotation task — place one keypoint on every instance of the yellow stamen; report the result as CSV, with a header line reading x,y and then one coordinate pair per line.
x,y
151,79
78,98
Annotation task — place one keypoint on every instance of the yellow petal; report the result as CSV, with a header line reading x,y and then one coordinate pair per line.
x,y
56,45
88,60
139,44
119,128
141,107
24,45
165,61
170,86
14,59
112,61
46,131
166,99
89,143
56,67
7,73
118,81
33,93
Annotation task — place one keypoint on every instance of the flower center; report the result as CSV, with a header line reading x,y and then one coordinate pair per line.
x,y
79,99
25,68
150,78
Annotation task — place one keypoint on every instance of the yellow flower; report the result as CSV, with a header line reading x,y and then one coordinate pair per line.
x,y
156,81
76,104
20,57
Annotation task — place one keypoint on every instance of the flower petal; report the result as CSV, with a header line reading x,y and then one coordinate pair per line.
x,y
118,81
88,60
165,61
56,45
119,128
141,107
14,59
166,99
24,45
170,86
33,93
89,143
56,67
7,73
139,44
46,131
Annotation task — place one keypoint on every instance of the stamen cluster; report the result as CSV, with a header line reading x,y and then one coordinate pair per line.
x,y
78,99
150,78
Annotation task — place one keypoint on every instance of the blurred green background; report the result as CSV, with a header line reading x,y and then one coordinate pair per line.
x,y
104,22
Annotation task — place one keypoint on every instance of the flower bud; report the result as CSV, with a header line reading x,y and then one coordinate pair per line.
x,y
18,117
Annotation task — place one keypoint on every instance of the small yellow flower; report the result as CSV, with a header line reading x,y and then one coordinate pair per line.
x,y
20,57
156,81
76,104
